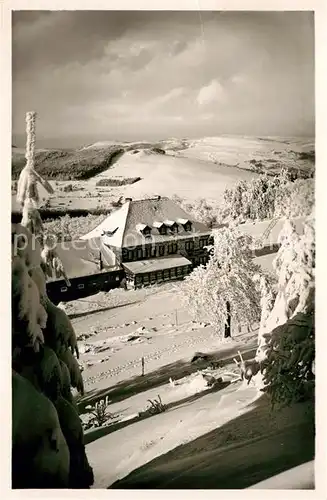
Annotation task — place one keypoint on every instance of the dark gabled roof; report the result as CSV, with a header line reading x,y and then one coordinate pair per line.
x,y
147,212
157,210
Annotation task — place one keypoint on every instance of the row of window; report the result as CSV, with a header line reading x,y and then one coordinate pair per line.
x,y
163,229
203,259
81,286
160,250
159,276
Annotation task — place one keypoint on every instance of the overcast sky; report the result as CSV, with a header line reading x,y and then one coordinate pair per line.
x,y
150,75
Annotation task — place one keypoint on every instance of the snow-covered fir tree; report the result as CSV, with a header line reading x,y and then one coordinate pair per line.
x,y
287,335
47,440
294,267
225,288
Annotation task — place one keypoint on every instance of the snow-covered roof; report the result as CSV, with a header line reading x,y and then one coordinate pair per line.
x,y
182,221
269,230
116,219
169,222
158,224
149,212
141,227
157,264
82,257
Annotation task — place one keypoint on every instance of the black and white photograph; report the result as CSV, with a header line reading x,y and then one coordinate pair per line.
x,y
163,168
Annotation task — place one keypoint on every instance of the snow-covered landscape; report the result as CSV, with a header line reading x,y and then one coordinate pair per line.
x,y
163,252
223,161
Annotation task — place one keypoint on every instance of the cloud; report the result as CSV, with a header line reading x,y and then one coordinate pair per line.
x,y
113,72
211,93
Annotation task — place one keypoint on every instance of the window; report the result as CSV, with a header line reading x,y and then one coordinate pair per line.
x,y
80,286
130,255
153,251
139,253
159,276
203,242
162,229
185,269
63,289
166,275
147,231
117,278
188,226
189,245
174,228
145,279
161,250
153,277
179,271
173,272
172,248
147,252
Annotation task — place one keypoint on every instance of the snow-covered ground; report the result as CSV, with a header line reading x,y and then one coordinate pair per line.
x,y
154,325
201,168
115,330
240,150
142,441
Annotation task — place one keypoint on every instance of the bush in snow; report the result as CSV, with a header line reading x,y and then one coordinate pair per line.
x,y
156,406
43,356
225,287
99,413
287,338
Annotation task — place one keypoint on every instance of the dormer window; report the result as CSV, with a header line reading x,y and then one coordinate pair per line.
x,y
172,225
144,229
186,223
161,226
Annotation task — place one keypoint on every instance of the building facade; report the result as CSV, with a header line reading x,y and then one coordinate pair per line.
x,y
153,240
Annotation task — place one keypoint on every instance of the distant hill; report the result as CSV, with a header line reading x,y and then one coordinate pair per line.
x,y
69,164
255,154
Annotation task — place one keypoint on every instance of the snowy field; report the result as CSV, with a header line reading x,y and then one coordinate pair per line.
x,y
115,330
201,168
163,337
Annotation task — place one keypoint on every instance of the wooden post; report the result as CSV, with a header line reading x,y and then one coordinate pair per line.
x,y
228,332
142,366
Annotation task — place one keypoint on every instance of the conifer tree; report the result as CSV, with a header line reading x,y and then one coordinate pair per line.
x,y
225,291
43,355
287,337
